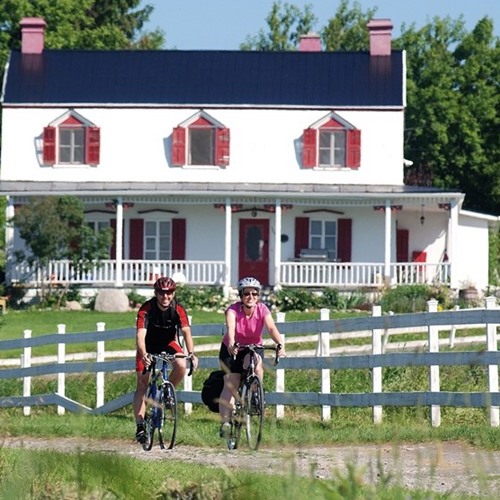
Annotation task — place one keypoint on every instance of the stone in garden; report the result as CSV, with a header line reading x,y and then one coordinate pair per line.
x,y
112,300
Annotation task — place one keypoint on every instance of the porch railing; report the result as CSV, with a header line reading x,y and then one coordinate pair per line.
x,y
305,274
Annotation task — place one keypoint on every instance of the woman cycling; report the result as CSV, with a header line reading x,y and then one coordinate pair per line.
x,y
245,322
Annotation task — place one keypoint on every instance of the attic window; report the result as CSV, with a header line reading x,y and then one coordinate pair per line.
x,y
71,142
331,143
200,141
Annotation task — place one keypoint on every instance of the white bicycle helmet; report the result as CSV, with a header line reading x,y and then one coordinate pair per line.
x,y
248,282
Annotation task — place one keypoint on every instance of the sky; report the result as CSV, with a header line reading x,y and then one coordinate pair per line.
x,y
225,24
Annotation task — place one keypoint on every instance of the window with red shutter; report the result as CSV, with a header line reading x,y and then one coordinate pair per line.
x,y
331,143
49,145
201,140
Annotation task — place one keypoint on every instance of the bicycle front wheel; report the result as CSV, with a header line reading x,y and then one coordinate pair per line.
x,y
254,412
168,421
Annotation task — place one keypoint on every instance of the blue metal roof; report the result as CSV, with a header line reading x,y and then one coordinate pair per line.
x,y
205,78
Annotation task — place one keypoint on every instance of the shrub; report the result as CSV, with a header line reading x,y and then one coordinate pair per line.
x,y
209,298
413,298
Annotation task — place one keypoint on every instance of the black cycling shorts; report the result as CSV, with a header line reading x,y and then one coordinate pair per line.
x,y
228,362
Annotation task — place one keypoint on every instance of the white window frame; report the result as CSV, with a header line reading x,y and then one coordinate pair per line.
x,y
158,239
324,237
335,150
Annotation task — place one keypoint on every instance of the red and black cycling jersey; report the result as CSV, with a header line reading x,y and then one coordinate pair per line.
x,y
161,326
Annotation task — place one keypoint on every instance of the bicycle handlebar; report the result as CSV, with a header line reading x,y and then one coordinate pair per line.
x,y
168,358
252,348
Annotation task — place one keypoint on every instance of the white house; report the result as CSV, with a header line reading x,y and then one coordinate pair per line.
x,y
212,165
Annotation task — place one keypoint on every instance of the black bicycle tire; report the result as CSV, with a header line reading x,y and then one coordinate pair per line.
x,y
168,426
149,428
254,415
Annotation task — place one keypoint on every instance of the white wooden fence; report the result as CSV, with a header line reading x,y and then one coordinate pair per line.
x,y
322,331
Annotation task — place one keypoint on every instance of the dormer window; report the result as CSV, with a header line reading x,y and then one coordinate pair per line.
x,y
71,140
331,142
200,140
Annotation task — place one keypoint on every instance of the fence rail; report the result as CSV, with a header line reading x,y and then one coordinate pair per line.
x,y
378,327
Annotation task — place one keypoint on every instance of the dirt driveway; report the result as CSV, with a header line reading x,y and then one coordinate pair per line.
x,y
442,467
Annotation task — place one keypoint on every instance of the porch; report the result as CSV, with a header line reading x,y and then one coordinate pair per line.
x,y
137,273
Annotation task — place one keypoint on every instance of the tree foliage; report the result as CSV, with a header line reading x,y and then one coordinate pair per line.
x,y
80,24
286,24
54,228
453,93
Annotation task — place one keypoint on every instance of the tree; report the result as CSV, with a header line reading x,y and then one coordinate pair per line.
x,y
452,118
286,24
54,228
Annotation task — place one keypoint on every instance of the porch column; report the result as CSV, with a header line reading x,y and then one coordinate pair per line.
x,y
277,244
387,243
119,241
9,239
452,242
227,251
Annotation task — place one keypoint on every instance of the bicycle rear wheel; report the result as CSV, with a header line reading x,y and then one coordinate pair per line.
x,y
254,412
168,421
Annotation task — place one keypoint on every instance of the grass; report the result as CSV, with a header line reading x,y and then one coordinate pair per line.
x,y
31,474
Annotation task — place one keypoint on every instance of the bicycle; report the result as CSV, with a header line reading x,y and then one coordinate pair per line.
x,y
162,402
249,402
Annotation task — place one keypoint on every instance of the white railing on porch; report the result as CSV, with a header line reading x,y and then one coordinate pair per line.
x,y
133,272
306,274
362,274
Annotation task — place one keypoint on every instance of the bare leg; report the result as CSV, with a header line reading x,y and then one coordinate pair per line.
x,y
139,396
231,383
178,371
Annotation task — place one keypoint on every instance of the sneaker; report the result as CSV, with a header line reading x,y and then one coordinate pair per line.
x,y
140,434
225,430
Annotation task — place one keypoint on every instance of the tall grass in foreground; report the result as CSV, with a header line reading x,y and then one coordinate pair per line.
x,y
26,474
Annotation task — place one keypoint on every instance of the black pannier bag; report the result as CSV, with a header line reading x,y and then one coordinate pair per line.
x,y
212,388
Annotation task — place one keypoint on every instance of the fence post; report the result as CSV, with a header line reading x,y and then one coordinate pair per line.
x,y
324,351
453,330
61,376
434,369
188,381
26,363
377,370
491,341
100,375
280,373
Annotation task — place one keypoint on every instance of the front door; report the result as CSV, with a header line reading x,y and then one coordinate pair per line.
x,y
254,249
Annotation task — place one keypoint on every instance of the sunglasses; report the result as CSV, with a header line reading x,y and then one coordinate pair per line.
x,y
253,294
165,292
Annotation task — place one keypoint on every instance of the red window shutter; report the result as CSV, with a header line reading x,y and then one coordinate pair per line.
x,y
93,145
49,145
179,239
344,240
112,253
136,239
301,234
402,245
353,149
222,147
309,148
179,146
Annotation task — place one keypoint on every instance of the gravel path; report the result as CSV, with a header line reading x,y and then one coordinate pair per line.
x,y
441,467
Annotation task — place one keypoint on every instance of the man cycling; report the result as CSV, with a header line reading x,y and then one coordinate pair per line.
x,y
158,321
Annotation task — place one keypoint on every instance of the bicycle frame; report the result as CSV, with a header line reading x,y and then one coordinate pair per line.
x,y
161,396
249,402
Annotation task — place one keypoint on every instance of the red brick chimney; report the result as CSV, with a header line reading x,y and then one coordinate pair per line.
x,y
32,35
380,37
310,43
